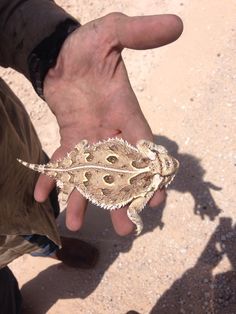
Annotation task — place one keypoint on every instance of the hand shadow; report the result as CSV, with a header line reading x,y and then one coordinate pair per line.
x,y
198,290
190,179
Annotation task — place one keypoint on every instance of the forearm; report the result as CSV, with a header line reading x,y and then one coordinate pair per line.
x,y
23,26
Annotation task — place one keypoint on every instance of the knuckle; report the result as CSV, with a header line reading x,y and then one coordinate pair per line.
x,y
114,16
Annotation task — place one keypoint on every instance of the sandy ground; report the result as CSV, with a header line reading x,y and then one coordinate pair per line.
x,y
184,261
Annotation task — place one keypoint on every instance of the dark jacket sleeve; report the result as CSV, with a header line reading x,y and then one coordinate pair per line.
x,y
24,24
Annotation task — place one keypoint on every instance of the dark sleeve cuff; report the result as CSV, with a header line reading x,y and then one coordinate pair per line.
x,y
44,56
26,24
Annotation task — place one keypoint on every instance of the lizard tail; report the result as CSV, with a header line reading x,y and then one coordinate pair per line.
x,y
35,167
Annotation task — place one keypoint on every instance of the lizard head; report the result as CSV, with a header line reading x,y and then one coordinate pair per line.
x,y
166,166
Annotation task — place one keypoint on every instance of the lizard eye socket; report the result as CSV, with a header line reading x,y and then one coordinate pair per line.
x,y
168,164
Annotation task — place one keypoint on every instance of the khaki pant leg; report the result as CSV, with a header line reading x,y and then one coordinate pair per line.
x,y
20,214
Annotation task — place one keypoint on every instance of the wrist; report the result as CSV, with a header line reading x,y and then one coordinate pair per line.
x,y
44,56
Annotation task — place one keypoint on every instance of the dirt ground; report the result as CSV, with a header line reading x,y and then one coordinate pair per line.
x,y
185,260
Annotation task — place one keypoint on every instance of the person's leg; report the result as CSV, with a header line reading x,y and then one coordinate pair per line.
x,y
10,296
22,219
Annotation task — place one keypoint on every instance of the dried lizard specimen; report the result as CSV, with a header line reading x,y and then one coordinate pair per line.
x,y
112,173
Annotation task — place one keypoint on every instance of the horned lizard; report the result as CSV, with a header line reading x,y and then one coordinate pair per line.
x,y
112,173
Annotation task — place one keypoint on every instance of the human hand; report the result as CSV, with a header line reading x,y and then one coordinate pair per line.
x,y
90,94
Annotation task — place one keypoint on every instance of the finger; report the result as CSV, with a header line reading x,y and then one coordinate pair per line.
x,y
137,128
75,211
158,198
45,184
121,223
43,188
146,32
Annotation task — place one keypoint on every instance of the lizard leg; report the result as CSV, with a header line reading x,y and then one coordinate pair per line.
x,y
65,191
135,207
81,145
133,213
150,149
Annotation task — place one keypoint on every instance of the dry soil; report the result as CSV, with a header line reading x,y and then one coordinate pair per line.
x,y
185,260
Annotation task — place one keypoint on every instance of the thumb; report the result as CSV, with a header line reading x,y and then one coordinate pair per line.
x,y
146,32
137,128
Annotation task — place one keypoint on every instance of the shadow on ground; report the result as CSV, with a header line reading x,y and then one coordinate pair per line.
x,y
198,290
190,179
58,282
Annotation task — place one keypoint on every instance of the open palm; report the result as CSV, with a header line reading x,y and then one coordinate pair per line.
x,y
90,94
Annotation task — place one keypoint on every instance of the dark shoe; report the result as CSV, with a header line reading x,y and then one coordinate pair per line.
x,y
77,253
